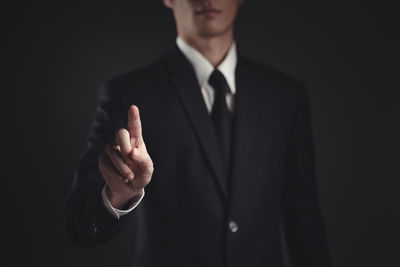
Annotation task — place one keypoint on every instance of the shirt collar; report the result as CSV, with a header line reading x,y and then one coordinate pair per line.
x,y
203,68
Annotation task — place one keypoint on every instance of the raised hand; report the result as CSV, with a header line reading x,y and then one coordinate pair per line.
x,y
125,165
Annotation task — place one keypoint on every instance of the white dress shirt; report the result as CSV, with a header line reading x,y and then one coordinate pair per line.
x,y
203,69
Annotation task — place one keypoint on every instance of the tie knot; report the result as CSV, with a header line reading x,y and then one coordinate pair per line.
x,y
218,81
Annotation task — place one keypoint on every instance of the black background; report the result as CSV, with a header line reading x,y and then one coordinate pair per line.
x,y
55,55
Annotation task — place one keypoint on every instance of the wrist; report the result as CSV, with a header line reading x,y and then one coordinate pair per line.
x,y
120,201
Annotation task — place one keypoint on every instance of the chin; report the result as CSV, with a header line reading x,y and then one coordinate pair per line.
x,y
212,30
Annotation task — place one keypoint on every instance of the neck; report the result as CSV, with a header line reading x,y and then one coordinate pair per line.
x,y
213,48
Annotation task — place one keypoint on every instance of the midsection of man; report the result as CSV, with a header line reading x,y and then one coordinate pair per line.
x,y
195,212
185,212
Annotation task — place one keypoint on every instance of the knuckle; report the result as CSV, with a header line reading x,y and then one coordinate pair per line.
x,y
121,133
127,173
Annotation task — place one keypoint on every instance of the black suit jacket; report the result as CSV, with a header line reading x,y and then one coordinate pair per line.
x,y
185,216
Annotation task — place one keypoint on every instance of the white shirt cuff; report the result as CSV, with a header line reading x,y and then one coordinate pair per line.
x,y
117,213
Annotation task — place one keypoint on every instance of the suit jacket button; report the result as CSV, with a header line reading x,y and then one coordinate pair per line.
x,y
233,226
92,228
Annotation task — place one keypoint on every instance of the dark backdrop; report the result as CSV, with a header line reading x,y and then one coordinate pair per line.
x,y
55,55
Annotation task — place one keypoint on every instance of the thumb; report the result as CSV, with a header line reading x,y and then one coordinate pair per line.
x,y
143,161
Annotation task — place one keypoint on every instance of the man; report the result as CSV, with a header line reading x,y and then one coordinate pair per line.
x,y
231,145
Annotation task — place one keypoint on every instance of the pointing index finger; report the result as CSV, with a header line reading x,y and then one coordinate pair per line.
x,y
134,125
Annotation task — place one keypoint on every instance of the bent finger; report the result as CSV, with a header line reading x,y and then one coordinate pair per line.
x,y
122,138
108,171
120,165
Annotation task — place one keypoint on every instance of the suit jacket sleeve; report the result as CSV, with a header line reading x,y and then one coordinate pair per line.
x,y
87,220
302,220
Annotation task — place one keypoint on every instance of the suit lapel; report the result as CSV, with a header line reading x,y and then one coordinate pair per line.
x,y
185,82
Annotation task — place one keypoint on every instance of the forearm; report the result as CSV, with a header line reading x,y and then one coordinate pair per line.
x,y
87,220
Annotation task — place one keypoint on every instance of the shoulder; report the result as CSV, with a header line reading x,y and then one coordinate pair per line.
x,y
266,72
271,79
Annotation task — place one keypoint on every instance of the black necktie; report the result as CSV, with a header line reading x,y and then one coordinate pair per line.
x,y
221,116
